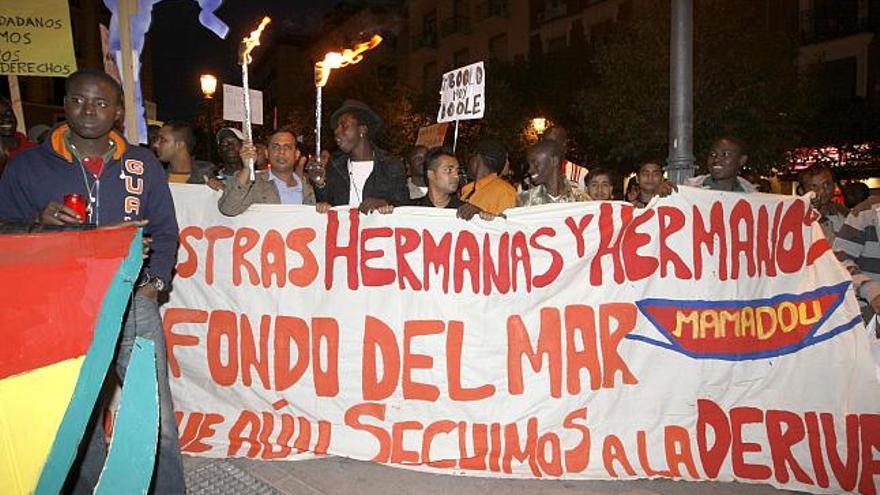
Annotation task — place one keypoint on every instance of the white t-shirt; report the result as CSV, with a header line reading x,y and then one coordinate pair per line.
x,y
358,173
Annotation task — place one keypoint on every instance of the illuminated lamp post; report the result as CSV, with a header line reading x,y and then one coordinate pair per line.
x,y
539,125
209,85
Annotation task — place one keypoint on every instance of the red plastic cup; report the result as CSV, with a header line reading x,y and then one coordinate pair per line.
x,y
77,203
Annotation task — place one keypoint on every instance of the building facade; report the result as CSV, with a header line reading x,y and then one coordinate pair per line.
x,y
840,37
447,34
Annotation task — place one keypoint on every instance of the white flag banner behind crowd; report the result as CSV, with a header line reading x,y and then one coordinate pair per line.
x,y
712,336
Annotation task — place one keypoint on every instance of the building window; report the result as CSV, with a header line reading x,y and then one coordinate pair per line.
x,y
461,57
625,12
429,26
430,78
498,47
387,75
601,32
838,78
556,45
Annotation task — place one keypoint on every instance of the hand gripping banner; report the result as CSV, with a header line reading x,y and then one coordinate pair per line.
x,y
712,336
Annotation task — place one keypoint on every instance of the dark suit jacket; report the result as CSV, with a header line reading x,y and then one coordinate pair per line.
x,y
387,181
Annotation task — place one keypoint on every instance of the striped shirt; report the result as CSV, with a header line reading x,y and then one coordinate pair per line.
x,y
858,249
576,175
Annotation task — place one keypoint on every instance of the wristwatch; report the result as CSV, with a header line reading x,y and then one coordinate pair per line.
x,y
153,280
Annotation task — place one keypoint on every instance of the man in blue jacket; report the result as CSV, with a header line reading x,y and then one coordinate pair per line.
x,y
120,183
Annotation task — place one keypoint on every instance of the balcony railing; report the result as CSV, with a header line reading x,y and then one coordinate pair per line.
x,y
492,8
455,25
829,24
424,40
553,11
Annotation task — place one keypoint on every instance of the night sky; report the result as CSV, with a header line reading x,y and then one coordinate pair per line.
x,y
183,49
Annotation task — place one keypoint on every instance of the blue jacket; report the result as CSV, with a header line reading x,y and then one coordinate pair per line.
x,y
132,186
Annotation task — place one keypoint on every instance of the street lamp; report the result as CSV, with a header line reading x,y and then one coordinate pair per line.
x,y
539,125
209,85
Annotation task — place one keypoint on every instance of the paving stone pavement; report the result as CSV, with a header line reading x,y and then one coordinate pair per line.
x,y
339,475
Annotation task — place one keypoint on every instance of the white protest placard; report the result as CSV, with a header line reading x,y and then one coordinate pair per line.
x,y
463,94
233,104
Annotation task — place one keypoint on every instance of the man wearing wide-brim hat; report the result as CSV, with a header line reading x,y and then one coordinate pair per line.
x,y
359,174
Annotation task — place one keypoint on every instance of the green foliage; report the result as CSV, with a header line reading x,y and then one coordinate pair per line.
x,y
612,93
746,83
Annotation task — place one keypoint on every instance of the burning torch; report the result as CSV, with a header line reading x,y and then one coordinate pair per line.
x,y
336,60
248,44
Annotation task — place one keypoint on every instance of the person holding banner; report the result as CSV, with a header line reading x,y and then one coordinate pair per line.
x,y
550,184
819,180
857,248
441,169
279,184
576,174
726,159
650,178
360,174
119,182
600,184
488,190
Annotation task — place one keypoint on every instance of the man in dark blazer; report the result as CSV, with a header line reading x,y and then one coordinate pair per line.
x,y
359,174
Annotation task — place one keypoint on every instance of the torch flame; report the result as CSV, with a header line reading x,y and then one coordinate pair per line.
x,y
253,40
336,60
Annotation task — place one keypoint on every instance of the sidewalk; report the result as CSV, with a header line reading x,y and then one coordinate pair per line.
x,y
338,476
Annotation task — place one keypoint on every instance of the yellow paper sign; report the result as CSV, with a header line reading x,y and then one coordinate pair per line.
x,y
35,38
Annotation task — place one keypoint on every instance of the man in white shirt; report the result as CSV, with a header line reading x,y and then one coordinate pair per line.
x,y
360,174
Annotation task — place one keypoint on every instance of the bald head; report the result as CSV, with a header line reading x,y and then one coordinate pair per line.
x,y
545,160
547,147
559,135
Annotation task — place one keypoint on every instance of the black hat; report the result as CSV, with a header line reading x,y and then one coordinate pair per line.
x,y
364,114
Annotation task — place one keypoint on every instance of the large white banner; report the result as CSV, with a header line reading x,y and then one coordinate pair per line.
x,y
712,336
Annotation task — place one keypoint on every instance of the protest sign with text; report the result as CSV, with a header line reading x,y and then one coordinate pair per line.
x,y
713,336
432,136
233,104
35,38
463,94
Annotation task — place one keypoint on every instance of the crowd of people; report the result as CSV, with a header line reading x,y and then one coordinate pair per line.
x,y
128,184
